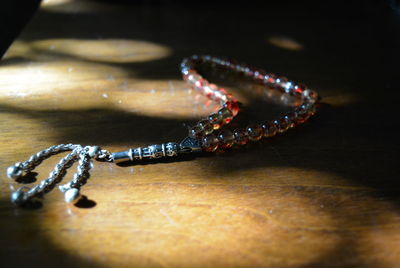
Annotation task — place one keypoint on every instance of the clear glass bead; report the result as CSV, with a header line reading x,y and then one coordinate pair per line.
x,y
241,136
215,119
192,78
209,90
210,143
200,84
206,126
219,95
270,129
226,139
255,132
226,115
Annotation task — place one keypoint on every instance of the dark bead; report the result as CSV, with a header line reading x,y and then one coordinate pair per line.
x,y
270,129
255,132
291,118
283,125
241,136
226,139
210,143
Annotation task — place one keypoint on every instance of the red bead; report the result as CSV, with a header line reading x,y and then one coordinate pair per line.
x,y
226,115
299,88
233,106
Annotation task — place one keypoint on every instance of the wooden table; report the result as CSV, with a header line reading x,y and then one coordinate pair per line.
x,y
323,195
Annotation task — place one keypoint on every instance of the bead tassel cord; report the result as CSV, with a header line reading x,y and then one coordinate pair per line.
x,y
202,137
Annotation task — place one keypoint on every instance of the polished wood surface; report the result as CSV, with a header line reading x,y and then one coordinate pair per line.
x,y
323,195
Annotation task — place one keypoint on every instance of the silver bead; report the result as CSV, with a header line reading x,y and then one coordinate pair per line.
x,y
72,195
14,172
94,151
17,197
64,188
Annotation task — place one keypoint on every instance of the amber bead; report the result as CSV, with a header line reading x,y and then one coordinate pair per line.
x,y
283,125
226,115
226,139
241,136
196,131
206,126
270,129
255,132
209,143
215,119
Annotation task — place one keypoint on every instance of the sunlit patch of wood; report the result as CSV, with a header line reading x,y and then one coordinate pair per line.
x,y
285,43
157,218
104,50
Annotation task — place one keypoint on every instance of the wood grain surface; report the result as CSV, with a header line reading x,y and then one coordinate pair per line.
x,y
102,73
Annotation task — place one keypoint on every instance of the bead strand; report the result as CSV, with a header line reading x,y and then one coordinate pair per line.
x,y
204,129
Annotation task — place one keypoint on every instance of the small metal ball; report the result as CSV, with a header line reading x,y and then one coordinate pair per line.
x,y
17,197
94,151
72,195
14,172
